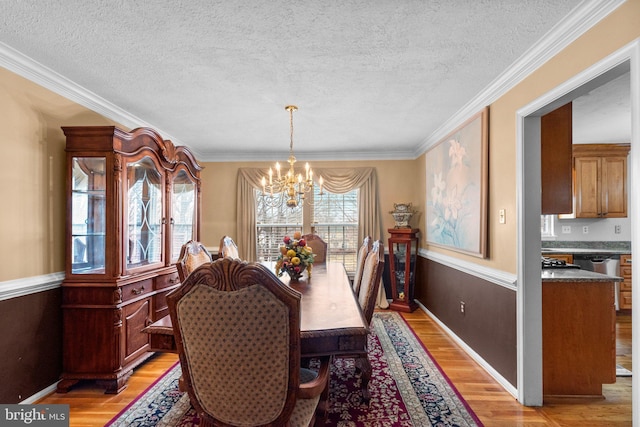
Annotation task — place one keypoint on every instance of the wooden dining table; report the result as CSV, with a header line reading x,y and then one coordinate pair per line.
x,y
331,321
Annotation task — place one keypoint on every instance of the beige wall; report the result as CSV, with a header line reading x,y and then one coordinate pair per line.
x,y
398,180
614,32
32,174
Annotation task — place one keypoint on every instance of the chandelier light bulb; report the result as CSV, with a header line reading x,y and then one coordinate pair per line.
x,y
292,188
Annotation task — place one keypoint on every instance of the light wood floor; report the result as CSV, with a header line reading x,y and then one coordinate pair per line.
x,y
494,406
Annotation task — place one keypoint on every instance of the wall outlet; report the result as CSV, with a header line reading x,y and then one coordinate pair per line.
x,y
585,229
566,229
617,229
462,307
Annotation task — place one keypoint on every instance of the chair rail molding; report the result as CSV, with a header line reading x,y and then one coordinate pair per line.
x,y
30,285
498,277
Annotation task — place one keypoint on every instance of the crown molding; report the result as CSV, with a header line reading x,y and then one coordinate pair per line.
x,y
32,70
575,24
306,156
582,18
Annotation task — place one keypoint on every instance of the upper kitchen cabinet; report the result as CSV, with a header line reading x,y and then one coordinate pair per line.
x,y
600,180
133,199
556,160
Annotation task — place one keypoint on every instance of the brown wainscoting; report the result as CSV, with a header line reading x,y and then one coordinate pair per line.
x,y
31,350
488,324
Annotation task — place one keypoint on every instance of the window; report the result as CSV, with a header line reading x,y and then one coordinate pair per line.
x,y
334,217
546,226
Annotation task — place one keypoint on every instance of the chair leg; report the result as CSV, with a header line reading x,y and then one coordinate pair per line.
x,y
323,405
363,364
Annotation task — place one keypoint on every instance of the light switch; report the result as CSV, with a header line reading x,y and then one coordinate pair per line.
x,y
503,216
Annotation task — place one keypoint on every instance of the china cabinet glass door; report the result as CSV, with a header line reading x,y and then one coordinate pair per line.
x,y
88,204
183,212
145,219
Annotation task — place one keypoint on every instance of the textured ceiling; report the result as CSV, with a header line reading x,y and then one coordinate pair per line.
x,y
604,114
371,78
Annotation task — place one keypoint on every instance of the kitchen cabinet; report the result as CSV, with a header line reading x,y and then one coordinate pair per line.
x,y
133,199
600,187
625,285
556,138
578,337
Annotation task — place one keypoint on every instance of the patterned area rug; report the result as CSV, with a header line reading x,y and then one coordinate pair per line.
x,y
407,388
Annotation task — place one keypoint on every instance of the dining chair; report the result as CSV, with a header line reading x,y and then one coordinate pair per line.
x,y
228,248
318,247
362,255
370,283
192,255
239,369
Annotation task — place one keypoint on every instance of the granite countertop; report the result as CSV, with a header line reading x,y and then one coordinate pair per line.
x,y
585,251
575,275
586,247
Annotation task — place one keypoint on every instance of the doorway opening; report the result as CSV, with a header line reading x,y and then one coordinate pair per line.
x,y
529,299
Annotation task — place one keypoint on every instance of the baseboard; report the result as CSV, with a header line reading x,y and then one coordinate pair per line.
x,y
39,395
475,356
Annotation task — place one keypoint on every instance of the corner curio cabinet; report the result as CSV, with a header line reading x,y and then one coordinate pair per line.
x,y
133,199
403,252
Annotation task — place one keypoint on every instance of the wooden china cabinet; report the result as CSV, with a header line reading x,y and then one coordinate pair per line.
x,y
133,199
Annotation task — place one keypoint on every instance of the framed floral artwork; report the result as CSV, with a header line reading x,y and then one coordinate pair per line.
x,y
457,184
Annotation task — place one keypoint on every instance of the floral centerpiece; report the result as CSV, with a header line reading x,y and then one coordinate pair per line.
x,y
295,257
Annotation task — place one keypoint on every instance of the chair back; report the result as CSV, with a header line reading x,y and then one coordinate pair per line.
x,y
192,255
228,248
237,329
371,276
362,255
318,247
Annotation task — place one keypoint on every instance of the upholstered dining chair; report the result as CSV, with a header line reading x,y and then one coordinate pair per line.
x,y
370,283
241,369
318,246
192,255
228,248
362,255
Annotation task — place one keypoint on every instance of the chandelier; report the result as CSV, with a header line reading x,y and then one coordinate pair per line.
x,y
289,188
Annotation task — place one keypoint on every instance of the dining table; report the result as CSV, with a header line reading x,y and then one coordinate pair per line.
x,y
331,320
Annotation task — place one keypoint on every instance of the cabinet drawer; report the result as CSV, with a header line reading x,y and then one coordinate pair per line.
x,y
625,260
625,299
167,280
626,285
137,289
160,308
625,271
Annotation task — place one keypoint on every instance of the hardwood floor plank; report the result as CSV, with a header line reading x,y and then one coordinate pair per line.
x,y
90,407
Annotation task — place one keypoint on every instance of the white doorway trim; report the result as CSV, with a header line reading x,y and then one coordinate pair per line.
x,y
529,288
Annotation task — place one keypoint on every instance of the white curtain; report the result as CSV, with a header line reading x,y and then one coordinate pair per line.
x,y
336,180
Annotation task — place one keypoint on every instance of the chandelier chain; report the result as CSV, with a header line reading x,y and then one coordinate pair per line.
x,y
291,109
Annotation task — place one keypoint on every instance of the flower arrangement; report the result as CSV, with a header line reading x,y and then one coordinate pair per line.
x,y
295,257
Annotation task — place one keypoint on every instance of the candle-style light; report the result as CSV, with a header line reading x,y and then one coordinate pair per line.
x,y
293,186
